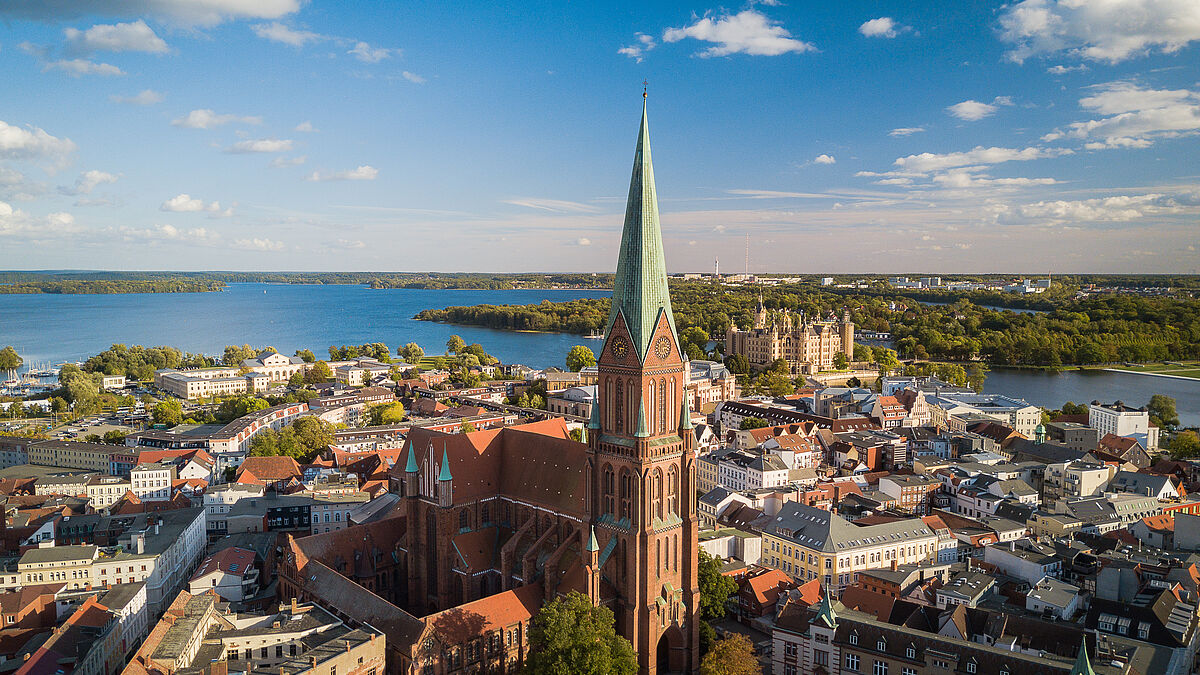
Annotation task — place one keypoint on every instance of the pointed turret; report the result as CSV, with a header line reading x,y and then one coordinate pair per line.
x,y
685,413
444,474
642,431
825,613
411,477
411,465
640,286
592,546
594,419
1082,665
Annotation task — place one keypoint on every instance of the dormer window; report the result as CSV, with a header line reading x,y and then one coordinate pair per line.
x,y
910,652
881,645
971,667
854,638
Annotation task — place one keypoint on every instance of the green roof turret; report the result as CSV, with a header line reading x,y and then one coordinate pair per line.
x,y
444,474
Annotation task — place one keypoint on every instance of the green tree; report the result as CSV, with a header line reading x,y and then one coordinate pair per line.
x,y
387,413
92,438
1071,408
732,655
265,443
306,355
570,636
234,354
1184,445
886,359
862,352
576,435
455,345
1162,411
467,427
58,404
715,588
10,359
168,412
840,362
115,437
580,357
317,373
412,352
749,423
737,363
296,380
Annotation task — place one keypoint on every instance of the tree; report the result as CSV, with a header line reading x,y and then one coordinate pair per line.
x,y
840,361
387,413
1162,411
455,345
737,363
317,373
733,655
114,437
886,359
580,357
10,359
1071,408
1185,444
168,412
412,352
862,352
715,588
576,435
296,380
569,635
749,423
234,354
467,427
306,355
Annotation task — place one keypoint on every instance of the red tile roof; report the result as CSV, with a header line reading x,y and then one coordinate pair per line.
x,y
459,624
1163,523
233,560
270,469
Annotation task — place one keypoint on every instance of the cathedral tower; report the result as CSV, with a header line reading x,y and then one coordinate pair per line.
x,y
642,449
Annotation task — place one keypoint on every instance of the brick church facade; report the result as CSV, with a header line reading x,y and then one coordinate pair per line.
x,y
497,522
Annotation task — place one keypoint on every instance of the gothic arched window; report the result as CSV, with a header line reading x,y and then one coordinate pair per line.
x,y
618,407
656,494
662,406
672,490
650,425
607,489
626,494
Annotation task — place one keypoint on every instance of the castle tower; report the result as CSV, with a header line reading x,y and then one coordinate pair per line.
x,y
641,456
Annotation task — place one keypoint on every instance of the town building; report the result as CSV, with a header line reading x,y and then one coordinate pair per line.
x,y
231,573
1017,414
1122,420
152,482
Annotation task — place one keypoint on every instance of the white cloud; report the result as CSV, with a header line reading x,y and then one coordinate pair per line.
x,y
306,127
905,131
205,118
583,241
260,244
413,77
277,32
81,67
555,205
169,233
260,145
1136,116
143,97
120,37
969,178
824,159
31,142
883,27
364,172
747,32
182,12
1063,70
1110,31
973,111
351,243
637,52
368,54
17,223
1122,208
979,155
88,181
284,162
185,203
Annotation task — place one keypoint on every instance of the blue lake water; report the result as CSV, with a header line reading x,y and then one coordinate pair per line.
x,y
58,328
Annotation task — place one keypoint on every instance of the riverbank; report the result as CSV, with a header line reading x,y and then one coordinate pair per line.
x,y
1195,376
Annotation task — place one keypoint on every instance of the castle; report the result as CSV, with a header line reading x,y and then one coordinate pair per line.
x,y
491,524
809,346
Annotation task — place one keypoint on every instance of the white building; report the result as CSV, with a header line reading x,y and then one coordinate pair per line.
x,y
1018,414
152,482
104,491
230,573
1122,420
220,499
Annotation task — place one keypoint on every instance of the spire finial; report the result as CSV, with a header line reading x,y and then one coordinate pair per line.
x,y
645,87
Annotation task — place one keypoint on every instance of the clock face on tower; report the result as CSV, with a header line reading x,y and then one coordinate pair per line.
x,y
662,347
619,347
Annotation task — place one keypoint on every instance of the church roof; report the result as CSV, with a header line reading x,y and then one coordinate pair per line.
x,y
640,287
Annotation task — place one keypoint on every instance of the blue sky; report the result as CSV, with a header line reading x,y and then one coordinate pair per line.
x,y
1033,136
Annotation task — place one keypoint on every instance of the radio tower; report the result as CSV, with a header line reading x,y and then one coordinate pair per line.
x,y
717,267
747,255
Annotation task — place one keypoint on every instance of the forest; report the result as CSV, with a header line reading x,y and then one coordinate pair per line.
x,y
114,286
1090,330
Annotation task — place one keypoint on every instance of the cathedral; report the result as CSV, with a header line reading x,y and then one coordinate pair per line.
x,y
500,521
809,346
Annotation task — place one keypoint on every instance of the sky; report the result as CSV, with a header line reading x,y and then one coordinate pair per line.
x,y
792,137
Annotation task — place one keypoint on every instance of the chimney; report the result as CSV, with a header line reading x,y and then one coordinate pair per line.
x,y
313,661
294,607
347,645
895,564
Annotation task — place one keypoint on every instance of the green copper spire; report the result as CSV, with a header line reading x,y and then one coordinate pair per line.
x,y
592,545
594,420
825,613
642,431
685,415
640,287
1082,665
444,474
411,466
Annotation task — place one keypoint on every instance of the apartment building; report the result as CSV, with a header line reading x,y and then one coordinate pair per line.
x,y
1017,414
104,491
912,493
1122,420
219,500
72,455
151,482
812,543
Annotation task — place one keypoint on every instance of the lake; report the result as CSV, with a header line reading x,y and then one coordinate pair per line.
x,y
1051,390
57,328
